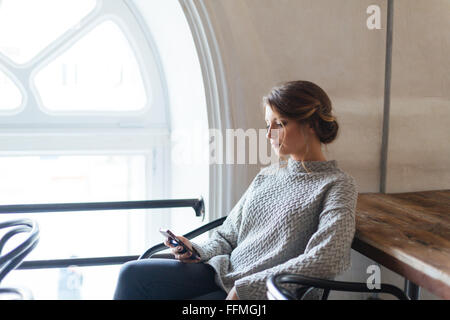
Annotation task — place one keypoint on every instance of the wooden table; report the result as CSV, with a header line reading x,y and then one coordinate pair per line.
x,y
408,233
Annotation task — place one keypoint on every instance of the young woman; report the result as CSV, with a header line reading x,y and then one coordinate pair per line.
x,y
295,218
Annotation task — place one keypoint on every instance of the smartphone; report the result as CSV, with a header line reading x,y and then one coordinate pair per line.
x,y
175,242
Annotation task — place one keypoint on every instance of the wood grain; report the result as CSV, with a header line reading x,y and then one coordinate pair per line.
x,y
408,233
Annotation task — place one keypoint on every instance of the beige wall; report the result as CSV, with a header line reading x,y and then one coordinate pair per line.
x,y
419,140
264,42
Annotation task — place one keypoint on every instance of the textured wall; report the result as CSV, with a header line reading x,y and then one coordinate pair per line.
x,y
419,139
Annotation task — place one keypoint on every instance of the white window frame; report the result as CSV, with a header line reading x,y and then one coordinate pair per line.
x,y
33,115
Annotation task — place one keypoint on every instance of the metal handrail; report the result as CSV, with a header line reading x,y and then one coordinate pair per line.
x,y
197,204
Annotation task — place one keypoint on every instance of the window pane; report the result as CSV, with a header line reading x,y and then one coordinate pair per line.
x,y
28,26
10,95
73,283
60,179
99,73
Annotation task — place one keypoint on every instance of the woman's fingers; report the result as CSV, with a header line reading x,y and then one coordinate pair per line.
x,y
190,261
168,244
186,258
176,250
185,241
182,256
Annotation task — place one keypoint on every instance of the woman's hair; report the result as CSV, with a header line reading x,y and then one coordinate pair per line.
x,y
306,103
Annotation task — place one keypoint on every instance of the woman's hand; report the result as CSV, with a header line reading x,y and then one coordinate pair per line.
x,y
232,295
185,257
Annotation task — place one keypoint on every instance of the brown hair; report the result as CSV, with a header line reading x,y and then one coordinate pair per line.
x,y
306,103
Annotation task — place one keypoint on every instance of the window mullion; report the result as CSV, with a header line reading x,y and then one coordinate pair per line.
x,y
65,40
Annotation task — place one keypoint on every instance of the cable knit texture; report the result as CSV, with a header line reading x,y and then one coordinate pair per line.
x,y
288,221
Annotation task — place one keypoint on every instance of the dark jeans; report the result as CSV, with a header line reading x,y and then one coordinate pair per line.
x,y
167,279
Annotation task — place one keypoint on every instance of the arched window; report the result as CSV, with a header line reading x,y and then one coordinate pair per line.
x,y
93,97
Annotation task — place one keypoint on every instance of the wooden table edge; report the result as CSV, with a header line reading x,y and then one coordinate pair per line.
x,y
435,286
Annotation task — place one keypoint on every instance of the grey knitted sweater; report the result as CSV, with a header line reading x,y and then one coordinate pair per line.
x,y
288,221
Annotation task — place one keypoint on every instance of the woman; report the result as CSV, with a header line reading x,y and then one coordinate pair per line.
x,y
297,218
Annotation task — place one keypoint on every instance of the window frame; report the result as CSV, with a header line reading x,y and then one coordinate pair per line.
x,y
33,114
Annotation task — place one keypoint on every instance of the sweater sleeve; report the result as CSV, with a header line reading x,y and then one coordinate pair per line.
x,y
224,238
327,253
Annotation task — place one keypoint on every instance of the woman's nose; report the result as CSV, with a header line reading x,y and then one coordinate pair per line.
x,y
273,133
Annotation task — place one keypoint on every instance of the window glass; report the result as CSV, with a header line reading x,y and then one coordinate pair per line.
x,y
28,26
98,73
69,179
73,283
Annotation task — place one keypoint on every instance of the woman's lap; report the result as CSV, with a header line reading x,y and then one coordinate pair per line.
x,y
167,279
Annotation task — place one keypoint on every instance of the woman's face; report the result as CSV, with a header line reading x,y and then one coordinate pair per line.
x,y
285,135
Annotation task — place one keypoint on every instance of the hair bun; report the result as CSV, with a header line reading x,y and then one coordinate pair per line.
x,y
327,131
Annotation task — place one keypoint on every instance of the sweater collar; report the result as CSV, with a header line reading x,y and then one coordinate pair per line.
x,y
312,166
